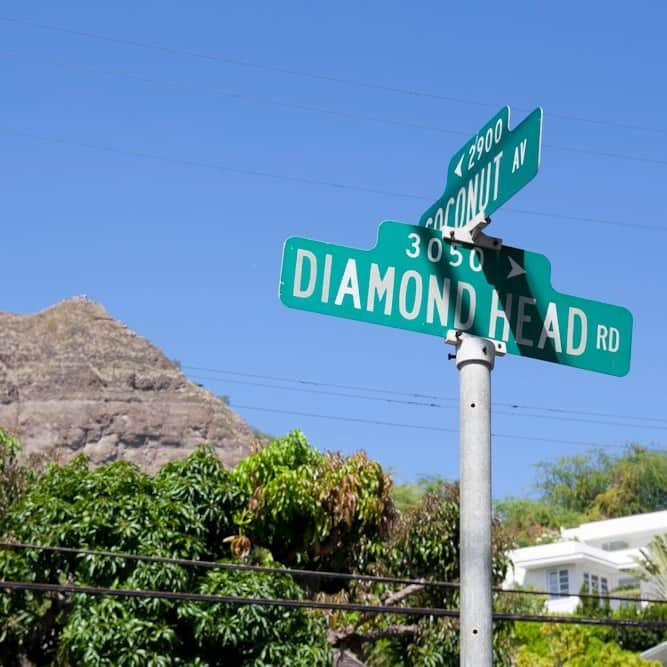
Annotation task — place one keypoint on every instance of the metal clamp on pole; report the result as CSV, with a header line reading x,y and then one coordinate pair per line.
x,y
472,233
454,338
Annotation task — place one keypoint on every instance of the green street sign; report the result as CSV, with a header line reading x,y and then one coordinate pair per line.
x,y
414,279
494,165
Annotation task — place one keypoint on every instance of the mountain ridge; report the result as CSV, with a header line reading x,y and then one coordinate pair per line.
x,y
75,379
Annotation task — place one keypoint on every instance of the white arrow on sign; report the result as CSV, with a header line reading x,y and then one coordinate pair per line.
x,y
515,269
457,171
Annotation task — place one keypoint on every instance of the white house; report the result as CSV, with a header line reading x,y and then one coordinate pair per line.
x,y
599,556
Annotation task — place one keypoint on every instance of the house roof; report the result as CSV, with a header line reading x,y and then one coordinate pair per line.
x,y
651,522
658,653
545,555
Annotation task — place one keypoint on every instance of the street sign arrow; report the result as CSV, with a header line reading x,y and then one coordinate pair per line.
x,y
414,279
515,268
489,169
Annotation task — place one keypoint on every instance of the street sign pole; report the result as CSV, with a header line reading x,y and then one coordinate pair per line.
x,y
475,359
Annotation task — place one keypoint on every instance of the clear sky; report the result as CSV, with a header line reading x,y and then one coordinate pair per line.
x,y
156,156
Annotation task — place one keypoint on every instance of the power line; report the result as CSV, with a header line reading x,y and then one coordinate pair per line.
x,y
314,75
413,394
123,397
240,567
302,180
561,413
185,162
331,112
318,574
423,427
339,394
325,606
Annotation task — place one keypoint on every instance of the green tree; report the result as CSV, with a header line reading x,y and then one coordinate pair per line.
x,y
637,484
311,509
187,510
423,544
529,522
552,644
639,638
572,483
408,495
652,567
14,477
590,487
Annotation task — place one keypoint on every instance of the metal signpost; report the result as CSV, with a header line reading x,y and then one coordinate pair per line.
x,y
446,278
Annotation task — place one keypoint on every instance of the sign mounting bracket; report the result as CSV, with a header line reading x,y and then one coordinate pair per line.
x,y
472,233
455,337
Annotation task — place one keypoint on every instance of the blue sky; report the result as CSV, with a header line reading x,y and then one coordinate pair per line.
x,y
156,157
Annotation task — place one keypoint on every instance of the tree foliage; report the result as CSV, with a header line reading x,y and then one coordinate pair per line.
x,y
549,644
530,522
423,544
652,567
600,486
312,509
14,477
189,509
590,487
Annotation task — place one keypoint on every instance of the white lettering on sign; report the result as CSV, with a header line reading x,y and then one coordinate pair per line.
x,y
349,285
502,317
435,250
499,313
438,298
382,287
326,279
470,199
301,256
519,155
410,313
607,338
573,315
523,318
550,329
481,145
462,289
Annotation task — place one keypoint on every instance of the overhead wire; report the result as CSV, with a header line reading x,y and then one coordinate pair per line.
x,y
306,573
313,75
424,427
413,403
561,414
302,180
331,112
415,394
324,606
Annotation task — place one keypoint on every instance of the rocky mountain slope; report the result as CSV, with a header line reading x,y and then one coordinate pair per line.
x,y
74,378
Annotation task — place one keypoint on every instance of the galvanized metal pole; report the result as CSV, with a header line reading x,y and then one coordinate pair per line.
x,y
474,359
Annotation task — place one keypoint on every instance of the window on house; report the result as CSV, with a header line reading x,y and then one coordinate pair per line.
x,y
615,545
594,584
628,582
558,581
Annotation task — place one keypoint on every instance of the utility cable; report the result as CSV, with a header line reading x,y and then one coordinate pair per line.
x,y
423,427
397,401
313,604
302,180
316,574
314,75
197,88
413,394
